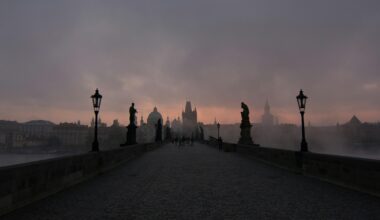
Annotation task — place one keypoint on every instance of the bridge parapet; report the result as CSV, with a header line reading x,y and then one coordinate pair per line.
x,y
355,173
25,183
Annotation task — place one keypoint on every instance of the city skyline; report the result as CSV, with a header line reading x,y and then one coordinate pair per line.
x,y
257,118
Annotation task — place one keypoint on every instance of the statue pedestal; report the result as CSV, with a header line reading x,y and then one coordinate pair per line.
x,y
245,134
131,135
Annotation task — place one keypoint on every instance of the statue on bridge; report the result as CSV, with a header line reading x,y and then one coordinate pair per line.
x,y
158,131
131,128
245,112
132,114
245,127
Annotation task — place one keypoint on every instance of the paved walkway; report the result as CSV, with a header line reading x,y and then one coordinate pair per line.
x,y
201,183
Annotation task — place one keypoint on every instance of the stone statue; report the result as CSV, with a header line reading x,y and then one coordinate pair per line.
x,y
158,131
132,114
131,128
245,112
245,127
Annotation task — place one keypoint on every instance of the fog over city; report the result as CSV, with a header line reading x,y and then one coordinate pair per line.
x,y
215,53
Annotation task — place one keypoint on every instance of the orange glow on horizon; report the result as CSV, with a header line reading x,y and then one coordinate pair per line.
x,y
207,115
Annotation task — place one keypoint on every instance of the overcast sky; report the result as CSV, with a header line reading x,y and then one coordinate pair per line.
x,y
54,54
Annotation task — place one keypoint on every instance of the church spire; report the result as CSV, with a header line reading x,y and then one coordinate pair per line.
x,y
188,107
142,120
168,122
267,107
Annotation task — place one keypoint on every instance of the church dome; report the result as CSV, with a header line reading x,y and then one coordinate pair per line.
x,y
153,117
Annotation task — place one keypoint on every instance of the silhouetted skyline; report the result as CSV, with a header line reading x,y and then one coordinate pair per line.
x,y
213,53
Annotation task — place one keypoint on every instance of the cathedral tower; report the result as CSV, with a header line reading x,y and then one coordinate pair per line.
x,y
189,120
267,119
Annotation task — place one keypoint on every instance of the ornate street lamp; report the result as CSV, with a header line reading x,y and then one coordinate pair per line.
x,y
218,126
301,99
96,101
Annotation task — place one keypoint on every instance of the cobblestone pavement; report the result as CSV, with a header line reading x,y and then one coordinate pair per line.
x,y
200,182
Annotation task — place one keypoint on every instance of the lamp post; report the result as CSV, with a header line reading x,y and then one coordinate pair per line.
x,y
218,126
96,101
301,99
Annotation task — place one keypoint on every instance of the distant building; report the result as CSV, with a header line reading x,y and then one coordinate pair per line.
x,y
189,120
176,127
147,131
36,142
11,134
114,135
154,117
142,132
353,130
37,128
9,126
167,123
100,123
142,121
267,119
71,134
354,122
3,139
15,139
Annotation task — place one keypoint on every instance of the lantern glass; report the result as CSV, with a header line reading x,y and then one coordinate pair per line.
x,y
96,100
301,99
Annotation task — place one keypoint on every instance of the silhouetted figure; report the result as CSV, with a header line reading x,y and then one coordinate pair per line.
x,y
132,114
202,134
168,135
176,141
131,132
159,131
179,142
245,126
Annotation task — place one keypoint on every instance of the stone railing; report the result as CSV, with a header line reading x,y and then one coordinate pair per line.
x,y
355,173
227,147
25,183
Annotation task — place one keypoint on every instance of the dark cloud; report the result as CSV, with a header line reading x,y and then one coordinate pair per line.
x,y
216,53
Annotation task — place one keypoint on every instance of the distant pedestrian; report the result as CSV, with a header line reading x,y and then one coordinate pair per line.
x,y
178,142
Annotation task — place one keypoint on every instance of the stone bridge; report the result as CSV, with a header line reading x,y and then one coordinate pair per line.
x,y
187,182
